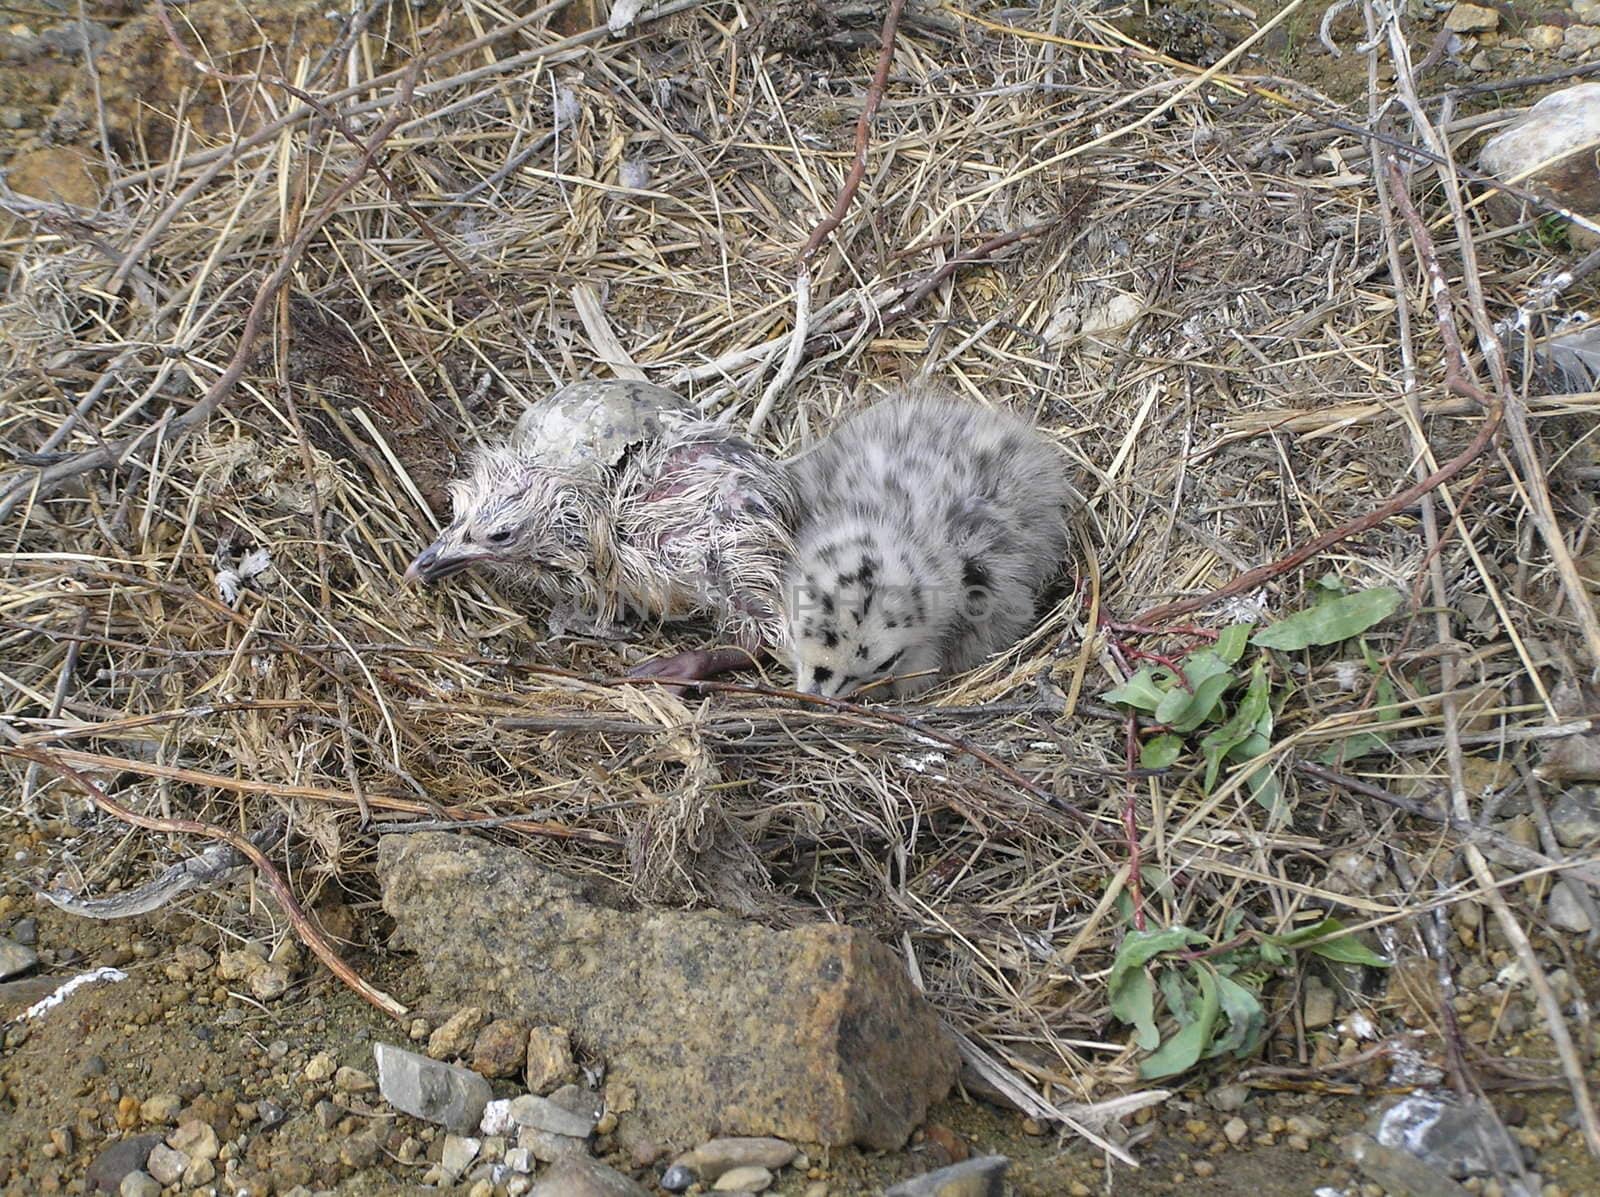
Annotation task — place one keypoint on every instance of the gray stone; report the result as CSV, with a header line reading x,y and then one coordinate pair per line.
x,y
457,1153
747,1178
519,1159
139,1184
116,1161
15,958
984,1176
443,1093
584,1178
1566,912
1457,1139
166,1164
547,1146
716,1023
1402,1175
1227,1099
542,1113
710,1160
1559,131
677,1178
1575,817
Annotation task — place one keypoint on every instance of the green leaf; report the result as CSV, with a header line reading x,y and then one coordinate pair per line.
x,y
1231,642
1264,788
1330,621
1182,1051
1346,949
1246,1021
1207,695
1179,994
1330,583
1159,752
1139,691
1135,1004
1352,748
1253,709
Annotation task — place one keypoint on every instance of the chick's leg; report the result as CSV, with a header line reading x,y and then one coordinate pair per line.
x,y
695,665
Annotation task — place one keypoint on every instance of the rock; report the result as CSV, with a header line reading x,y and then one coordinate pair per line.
x,y
751,1178
497,1118
1455,1139
196,1139
1319,1004
1566,913
57,174
519,1159
455,1038
1573,758
711,1159
1235,1131
501,1048
116,1161
165,1164
1560,127
241,964
199,1172
1471,18
980,1177
951,1147
1226,1099
677,1178
544,1114
269,982
458,1152
549,1059
15,958
1575,817
804,1034
1578,40
139,1184
353,1080
1543,39
584,1178
548,1146
443,1093
360,1151
160,1109
1402,1175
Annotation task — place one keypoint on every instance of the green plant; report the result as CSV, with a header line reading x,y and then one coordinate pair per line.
x,y
1214,693
1209,995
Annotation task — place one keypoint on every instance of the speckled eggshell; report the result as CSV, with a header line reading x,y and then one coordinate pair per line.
x,y
599,421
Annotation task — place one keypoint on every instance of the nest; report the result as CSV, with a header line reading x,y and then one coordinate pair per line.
x,y
1187,280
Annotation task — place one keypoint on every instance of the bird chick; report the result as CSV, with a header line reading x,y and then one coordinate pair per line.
x,y
930,528
613,499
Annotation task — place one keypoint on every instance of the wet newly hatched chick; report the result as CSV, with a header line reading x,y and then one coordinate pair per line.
x,y
929,530
611,498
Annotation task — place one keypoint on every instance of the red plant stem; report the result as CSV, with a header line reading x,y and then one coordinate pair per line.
x,y
858,168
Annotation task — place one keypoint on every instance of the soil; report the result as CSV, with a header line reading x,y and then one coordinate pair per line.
x,y
82,1075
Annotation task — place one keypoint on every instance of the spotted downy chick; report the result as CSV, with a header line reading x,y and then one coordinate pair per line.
x,y
929,530
611,498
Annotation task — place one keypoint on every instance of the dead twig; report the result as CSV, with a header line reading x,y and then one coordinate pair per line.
x,y
858,168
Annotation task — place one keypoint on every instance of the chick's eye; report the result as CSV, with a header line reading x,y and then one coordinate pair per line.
x,y
499,536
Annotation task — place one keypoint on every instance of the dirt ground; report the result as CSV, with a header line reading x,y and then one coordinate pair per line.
x,y
78,1077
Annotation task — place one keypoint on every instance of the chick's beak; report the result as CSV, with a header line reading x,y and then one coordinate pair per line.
x,y
440,560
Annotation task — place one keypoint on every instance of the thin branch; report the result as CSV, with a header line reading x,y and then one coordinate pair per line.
x,y
858,169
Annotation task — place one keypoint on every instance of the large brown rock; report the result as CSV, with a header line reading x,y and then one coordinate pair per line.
x,y
814,1034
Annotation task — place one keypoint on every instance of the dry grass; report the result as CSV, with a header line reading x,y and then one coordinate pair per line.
x,y
1214,334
